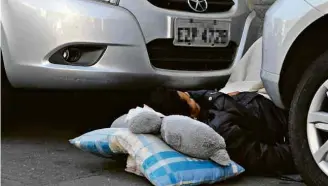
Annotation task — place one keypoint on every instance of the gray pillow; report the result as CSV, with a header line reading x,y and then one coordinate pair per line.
x,y
184,134
145,122
194,138
120,122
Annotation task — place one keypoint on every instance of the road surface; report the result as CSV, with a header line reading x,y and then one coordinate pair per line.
x,y
35,148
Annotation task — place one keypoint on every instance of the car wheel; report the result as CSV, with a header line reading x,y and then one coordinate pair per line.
x,y
309,123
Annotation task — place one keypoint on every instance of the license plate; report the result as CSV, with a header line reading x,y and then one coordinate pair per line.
x,y
201,33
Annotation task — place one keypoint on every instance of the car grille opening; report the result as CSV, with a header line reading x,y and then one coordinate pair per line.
x,y
182,5
164,55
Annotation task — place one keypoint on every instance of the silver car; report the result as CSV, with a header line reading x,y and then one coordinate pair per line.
x,y
71,44
295,74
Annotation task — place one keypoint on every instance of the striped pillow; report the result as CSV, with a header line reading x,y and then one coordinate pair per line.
x,y
164,166
96,142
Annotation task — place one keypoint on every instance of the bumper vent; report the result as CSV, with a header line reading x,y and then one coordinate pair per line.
x,y
182,5
164,55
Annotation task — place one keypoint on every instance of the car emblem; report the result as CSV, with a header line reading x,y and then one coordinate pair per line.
x,y
198,5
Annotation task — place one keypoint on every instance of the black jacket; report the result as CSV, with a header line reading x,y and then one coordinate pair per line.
x,y
255,130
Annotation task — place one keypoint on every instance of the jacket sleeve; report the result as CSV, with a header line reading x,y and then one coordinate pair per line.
x,y
256,156
246,148
248,139
198,95
227,112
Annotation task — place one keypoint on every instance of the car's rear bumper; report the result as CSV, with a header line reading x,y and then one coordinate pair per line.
x,y
35,29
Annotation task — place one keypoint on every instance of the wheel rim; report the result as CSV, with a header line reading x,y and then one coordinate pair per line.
x,y
317,127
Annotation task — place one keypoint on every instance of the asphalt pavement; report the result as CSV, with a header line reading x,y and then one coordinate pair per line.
x,y
36,127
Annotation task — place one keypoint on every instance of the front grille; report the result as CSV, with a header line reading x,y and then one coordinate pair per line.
x,y
182,5
164,55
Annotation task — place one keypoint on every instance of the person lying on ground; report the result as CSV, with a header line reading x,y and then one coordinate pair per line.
x,y
255,130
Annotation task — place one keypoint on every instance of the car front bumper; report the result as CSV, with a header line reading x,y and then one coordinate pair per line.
x,y
33,30
282,26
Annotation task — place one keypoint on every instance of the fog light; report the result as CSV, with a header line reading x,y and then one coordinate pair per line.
x,y
72,55
78,55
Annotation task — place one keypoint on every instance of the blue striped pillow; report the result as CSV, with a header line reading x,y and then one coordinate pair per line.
x,y
164,166
158,162
96,142
173,168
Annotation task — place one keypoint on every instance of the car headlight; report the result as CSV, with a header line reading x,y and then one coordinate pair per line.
x,y
113,2
250,4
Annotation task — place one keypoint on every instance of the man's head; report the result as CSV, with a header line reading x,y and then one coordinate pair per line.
x,y
193,106
172,102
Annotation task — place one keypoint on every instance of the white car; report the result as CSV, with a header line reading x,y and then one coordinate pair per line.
x,y
295,74
71,44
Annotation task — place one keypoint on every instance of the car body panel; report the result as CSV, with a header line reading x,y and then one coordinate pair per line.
x,y
282,26
34,29
321,5
55,25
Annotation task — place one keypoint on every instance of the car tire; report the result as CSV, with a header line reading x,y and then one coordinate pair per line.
x,y
6,96
312,79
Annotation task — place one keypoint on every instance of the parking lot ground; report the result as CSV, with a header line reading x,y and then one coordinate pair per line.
x,y
35,133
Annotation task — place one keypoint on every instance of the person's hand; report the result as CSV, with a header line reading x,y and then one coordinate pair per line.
x,y
233,93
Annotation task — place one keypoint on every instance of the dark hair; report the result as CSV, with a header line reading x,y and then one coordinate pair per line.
x,y
168,102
